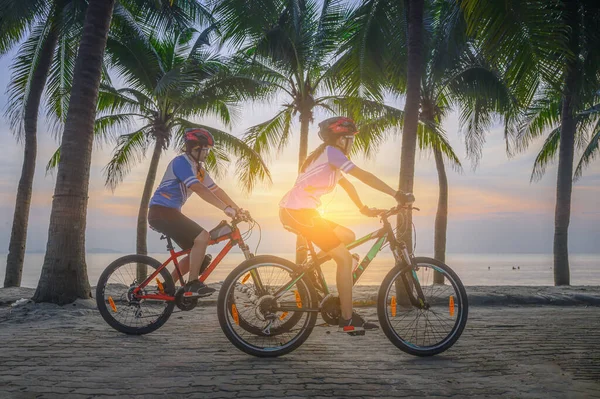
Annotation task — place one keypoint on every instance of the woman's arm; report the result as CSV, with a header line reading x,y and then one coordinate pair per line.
x,y
372,181
351,191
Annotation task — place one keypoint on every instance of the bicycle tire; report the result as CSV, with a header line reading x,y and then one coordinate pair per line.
x,y
109,316
305,290
460,302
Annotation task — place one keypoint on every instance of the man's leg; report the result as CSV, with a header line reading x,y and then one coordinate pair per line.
x,y
197,254
184,267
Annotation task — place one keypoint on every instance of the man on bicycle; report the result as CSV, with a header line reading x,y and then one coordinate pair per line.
x,y
185,175
318,176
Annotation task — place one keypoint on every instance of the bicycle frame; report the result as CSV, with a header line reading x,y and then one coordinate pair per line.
x,y
383,236
235,238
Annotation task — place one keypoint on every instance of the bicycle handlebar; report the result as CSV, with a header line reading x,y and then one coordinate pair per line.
x,y
386,213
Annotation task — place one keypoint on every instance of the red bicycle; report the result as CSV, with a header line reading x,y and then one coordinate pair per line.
x,y
133,301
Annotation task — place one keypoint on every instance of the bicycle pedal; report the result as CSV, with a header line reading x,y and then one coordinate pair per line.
x,y
192,295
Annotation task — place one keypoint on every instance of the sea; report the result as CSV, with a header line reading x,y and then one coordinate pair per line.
x,y
473,269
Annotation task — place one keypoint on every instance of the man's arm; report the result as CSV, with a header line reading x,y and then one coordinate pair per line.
x,y
222,195
351,191
208,196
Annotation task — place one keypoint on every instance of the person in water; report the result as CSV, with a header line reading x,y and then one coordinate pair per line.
x,y
319,175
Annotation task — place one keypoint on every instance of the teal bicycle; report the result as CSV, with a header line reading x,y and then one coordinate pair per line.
x,y
422,305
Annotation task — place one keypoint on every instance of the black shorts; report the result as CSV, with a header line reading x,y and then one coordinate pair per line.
x,y
172,223
312,226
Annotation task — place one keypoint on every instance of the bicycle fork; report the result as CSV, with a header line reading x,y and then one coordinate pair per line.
x,y
403,256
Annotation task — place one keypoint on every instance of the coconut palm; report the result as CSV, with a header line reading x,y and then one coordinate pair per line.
x,y
550,50
455,76
294,53
167,81
64,274
45,61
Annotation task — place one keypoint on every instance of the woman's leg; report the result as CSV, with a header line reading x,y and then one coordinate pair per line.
x,y
343,259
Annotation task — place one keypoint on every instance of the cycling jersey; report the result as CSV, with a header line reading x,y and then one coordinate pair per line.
x,y
319,178
181,173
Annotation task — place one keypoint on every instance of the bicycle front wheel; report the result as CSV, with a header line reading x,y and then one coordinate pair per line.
x,y
255,319
422,329
120,308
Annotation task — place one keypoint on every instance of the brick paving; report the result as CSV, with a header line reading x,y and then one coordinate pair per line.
x,y
513,352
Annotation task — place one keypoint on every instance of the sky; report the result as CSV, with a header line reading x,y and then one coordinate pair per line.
x,y
492,209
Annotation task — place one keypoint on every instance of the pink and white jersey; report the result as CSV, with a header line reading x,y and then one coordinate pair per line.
x,y
319,178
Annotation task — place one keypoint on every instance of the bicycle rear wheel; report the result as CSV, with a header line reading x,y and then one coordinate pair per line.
x,y
119,307
257,322
428,329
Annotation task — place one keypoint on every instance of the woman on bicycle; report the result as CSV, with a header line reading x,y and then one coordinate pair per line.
x,y
185,175
318,176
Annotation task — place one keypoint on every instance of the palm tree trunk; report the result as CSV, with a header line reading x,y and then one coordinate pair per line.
x,y
64,273
566,149
18,236
441,217
564,186
142,221
411,109
305,117
411,120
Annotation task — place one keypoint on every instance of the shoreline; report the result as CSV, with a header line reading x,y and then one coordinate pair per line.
x,y
366,295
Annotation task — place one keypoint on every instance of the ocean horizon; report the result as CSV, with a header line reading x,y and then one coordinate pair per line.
x,y
473,269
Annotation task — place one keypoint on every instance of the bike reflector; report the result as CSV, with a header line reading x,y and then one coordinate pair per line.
x,y
112,304
393,306
160,285
283,315
235,314
246,277
451,305
298,299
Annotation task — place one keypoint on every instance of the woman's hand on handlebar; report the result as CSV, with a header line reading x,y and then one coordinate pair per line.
x,y
370,212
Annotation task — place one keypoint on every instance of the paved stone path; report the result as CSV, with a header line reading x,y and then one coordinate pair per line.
x,y
523,352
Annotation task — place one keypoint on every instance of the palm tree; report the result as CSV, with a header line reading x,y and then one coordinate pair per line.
x,y
552,49
64,274
167,81
292,45
45,61
47,52
455,76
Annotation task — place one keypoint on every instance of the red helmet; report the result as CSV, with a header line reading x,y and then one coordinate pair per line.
x,y
202,136
335,127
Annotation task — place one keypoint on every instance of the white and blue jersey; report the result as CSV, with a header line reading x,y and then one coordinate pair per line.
x,y
319,178
181,173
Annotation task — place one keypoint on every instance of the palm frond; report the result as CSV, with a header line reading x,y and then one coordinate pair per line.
x,y
53,162
130,150
273,133
589,154
109,127
31,52
17,18
546,155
